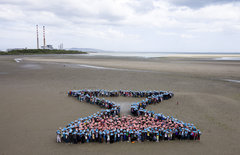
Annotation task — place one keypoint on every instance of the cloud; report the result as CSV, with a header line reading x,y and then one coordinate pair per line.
x,y
126,22
187,36
200,3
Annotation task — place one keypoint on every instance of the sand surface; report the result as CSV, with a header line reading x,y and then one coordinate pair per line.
x,y
34,101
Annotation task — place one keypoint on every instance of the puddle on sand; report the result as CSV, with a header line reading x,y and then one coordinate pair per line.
x,y
230,80
3,73
18,60
31,66
93,67
103,68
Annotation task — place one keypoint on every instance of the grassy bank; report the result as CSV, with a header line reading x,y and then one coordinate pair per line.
x,y
40,51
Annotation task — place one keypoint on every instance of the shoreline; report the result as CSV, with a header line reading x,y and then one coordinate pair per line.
x,y
166,54
173,65
203,55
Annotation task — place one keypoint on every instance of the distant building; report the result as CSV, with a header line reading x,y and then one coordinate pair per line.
x,y
49,47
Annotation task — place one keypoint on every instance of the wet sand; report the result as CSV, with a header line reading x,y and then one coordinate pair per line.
x,y
34,101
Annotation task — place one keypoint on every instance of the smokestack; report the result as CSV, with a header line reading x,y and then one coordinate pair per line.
x,y
44,41
37,37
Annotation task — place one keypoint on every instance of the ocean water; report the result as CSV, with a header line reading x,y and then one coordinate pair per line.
x,y
228,58
212,56
132,54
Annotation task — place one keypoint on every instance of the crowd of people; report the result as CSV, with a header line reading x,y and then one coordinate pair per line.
x,y
107,125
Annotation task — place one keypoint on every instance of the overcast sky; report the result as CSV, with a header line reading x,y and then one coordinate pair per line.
x,y
123,25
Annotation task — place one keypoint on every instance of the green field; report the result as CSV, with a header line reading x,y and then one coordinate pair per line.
x,y
40,51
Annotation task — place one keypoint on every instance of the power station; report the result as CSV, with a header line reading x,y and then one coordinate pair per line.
x,y
44,40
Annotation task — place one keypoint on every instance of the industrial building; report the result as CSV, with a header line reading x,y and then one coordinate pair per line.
x,y
49,47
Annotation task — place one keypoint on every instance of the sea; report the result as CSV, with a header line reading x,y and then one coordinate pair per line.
x,y
205,55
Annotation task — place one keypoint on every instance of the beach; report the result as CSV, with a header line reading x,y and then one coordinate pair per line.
x,y
34,101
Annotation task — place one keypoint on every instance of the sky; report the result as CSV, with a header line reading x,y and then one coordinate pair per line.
x,y
123,25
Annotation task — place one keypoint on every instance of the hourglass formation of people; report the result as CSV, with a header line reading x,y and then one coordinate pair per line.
x,y
108,126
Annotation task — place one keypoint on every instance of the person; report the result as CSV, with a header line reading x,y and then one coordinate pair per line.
x,y
70,137
86,138
83,138
157,136
108,138
166,136
111,138
93,137
173,134
97,136
118,136
139,136
58,137
64,137
143,136
154,138
78,137
148,135
67,137
121,134
199,134
74,136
